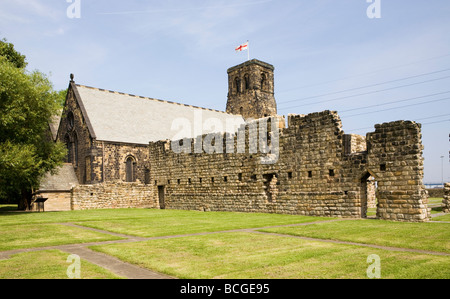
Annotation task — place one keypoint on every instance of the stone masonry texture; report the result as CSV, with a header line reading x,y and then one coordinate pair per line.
x,y
312,168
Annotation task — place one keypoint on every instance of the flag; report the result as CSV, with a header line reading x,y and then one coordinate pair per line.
x,y
242,47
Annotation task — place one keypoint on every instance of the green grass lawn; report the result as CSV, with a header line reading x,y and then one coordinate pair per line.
x,y
224,255
175,222
422,236
42,235
259,256
48,264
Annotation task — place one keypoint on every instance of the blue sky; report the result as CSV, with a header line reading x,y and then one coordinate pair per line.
x,y
328,55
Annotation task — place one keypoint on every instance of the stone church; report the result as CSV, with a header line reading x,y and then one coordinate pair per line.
x,y
129,151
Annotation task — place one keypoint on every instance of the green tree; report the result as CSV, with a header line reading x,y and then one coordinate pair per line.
x,y
7,50
27,103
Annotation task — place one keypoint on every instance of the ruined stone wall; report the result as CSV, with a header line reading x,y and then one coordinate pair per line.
x,y
314,174
112,196
446,200
310,176
395,160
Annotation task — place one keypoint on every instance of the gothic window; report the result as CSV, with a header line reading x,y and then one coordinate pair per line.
x,y
130,166
75,149
70,121
69,146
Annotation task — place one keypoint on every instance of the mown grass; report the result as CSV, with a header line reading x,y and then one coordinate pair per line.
x,y
228,255
421,236
48,264
43,235
260,256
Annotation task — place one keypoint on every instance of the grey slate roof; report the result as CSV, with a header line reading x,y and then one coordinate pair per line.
x,y
120,117
64,179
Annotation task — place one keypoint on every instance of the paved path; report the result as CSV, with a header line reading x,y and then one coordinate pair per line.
x,y
134,272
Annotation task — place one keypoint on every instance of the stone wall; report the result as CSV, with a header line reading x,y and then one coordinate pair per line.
x,y
56,201
395,160
446,200
113,195
314,174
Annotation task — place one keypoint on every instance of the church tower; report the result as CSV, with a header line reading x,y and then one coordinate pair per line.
x,y
251,90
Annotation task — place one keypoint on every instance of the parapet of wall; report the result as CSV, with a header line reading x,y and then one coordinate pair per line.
x,y
395,160
113,195
446,200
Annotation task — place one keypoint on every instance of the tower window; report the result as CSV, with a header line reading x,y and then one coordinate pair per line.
x,y
238,85
263,80
247,82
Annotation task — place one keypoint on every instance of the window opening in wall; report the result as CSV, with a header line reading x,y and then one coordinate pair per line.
x,y
130,169
189,181
178,181
212,180
200,180
241,111
310,174
369,202
168,182
382,167
240,177
147,176
75,149
247,82
225,179
331,172
253,177
270,181
290,175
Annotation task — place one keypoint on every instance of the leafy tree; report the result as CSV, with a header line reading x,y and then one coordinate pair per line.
x,y
27,103
7,50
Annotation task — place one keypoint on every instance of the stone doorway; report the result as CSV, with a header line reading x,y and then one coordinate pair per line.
x,y
368,195
161,195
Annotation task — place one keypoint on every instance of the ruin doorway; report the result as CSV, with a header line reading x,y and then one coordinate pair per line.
x,y
368,196
161,194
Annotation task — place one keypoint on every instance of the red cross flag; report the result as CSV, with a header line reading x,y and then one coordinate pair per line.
x,y
242,47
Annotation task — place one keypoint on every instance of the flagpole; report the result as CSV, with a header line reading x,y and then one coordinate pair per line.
x,y
248,51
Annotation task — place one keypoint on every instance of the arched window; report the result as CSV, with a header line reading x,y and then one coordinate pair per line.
x,y
70,121
69,145
238,85
75,149
247,82
263,81
130,169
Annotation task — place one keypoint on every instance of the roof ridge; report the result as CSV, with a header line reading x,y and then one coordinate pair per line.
x,y
147,98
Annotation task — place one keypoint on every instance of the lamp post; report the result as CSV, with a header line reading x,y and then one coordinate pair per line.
x,y
442,170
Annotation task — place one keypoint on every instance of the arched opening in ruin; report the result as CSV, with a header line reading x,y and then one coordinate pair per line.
x,y
369,203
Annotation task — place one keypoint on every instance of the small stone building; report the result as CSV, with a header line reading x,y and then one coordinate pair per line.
x,y
132,151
